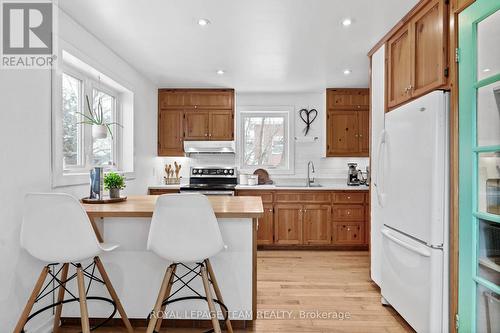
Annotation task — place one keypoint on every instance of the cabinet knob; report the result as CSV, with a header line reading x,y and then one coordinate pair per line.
x,y
349,197
348,229
270,210
210,135
359,106
196,106
206,134
348,212
361,135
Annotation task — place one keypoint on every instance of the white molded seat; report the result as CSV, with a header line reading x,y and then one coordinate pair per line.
x,y
56,229
184,228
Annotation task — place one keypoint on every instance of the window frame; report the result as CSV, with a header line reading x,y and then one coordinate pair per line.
x,y
289,147
88,86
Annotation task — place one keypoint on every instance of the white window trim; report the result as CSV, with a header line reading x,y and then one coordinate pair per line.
x,y
78,177
289,135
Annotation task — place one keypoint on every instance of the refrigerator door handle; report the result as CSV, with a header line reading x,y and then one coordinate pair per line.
x,y
422,252
378,179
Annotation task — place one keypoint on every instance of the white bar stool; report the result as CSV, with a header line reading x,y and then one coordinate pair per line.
x,y
184,230
57,230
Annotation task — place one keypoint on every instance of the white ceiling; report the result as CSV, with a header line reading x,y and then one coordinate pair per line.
x,y
263,45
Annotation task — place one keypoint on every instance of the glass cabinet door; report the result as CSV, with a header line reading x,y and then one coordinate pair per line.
x,y
479,157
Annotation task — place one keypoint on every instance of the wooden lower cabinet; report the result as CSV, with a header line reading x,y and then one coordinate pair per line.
x,y
161,191
265,231
349,233
317,224
288,224
319,219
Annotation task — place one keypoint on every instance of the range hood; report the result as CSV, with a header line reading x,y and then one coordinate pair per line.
x,y
209,147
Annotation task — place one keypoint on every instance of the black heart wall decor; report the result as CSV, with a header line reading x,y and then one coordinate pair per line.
x,y
308,117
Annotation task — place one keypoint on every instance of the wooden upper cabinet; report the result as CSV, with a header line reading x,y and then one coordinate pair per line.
x,y
342,133
288,224
317,224
348,99
429,56
210,99
399,67
347,124
364,132
170,99
196,125
170,141
417,54
221,125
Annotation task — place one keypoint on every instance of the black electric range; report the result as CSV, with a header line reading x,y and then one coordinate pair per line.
x,y
211,181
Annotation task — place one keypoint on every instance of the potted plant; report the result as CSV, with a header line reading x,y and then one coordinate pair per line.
x,y
114,183
95,118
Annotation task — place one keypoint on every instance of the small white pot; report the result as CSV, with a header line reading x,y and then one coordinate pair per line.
x,y
99,132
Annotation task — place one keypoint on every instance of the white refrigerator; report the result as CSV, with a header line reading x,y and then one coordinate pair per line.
x,y
413,190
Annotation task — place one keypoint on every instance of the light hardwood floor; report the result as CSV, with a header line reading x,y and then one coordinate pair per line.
x,y
329,282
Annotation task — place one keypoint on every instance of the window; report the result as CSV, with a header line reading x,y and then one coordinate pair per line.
x,y
264,137
78,146
80,149
72,130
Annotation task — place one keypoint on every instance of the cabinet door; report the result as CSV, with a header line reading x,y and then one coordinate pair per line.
x,y
342,133
170,99
220,100
352,233
364,132
266,226
399,67
429,49
288,224
221,125
348,99
196,125
170,141
317,224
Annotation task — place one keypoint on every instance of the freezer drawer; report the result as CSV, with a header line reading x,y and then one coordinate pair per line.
x,y
412,280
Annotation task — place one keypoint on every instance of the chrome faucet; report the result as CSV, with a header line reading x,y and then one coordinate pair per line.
x,y
310,181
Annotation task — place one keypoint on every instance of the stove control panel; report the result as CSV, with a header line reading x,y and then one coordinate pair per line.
x,y
213,172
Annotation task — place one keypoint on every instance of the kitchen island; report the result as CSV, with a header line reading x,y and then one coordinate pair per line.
x,y
137,273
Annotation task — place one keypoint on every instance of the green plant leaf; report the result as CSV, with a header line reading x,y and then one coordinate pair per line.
x,y
109,130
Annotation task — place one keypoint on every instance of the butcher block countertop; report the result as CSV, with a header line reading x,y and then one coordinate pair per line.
x,y
143,206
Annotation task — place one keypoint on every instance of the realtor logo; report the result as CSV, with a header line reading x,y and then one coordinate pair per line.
x,y
27,34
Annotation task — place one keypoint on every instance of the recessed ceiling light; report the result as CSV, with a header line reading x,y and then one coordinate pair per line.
x,y
486,70
347,71
346,22
203,22
220,72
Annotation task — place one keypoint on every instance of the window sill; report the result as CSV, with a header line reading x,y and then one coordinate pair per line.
x,y
75,179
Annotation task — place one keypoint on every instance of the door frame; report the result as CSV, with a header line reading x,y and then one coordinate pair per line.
x,y
468,158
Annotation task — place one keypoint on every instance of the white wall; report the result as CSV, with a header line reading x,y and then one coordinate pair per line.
x,y
332,167
25,153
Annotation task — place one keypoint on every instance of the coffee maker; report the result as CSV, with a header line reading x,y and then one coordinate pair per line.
x,y
352,175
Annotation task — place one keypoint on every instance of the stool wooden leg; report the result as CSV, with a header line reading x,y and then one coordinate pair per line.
x,y
159,300
113,294
60,297
210,301
211,274
83,300
29,305
167,293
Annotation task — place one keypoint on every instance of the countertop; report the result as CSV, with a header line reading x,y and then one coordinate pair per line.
x,y
325,186
143,206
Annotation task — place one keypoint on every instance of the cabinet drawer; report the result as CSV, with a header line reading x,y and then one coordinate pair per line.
x,y
352,233
348,213
303,197
162,191
349,197
267,197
